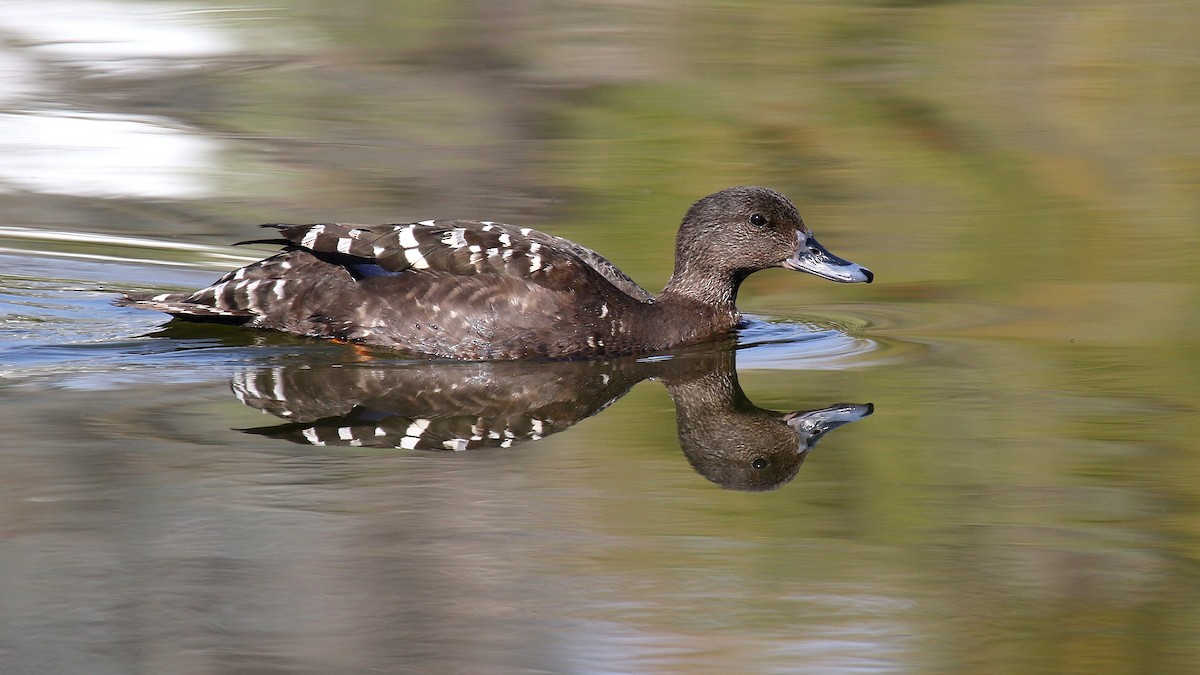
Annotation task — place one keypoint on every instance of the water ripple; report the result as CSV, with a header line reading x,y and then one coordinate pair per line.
x,y
804,345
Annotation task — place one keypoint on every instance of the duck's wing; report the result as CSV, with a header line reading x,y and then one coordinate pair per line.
x,y
460,247
606,269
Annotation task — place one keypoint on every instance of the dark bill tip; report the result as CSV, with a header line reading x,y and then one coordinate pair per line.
x,y
815,259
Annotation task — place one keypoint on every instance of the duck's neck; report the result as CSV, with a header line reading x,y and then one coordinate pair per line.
x,y
694,307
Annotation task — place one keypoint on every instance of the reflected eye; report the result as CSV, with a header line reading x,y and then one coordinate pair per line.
x,y
758,220
759,462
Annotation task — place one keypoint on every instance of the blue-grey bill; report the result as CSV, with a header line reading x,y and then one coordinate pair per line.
x,y
813,258
817,422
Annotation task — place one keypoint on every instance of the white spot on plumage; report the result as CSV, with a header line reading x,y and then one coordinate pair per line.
x,y
536,425
378,250
525,231
487,226
161,297
455,238
414,257
508,254
507,444
240,273
277,390
311,434
534,247
417,427
535,262
492,252
279,285
603,310
310,237
251,385
380,432
505,240
344,244
456,444
407,239
474,248
285,265
427,222
591,341
345,433
251,289
409,442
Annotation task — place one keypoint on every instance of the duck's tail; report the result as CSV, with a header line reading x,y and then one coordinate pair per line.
x,y
181,305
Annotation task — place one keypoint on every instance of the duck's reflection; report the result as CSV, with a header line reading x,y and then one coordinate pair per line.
x,y
738,445
465,406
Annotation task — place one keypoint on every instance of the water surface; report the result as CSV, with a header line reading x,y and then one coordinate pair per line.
x,y
1021,177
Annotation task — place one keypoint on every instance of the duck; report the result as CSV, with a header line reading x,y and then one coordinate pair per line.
x,y
430,406
483,290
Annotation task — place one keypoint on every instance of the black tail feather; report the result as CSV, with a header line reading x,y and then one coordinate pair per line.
x,y
282,241
272,242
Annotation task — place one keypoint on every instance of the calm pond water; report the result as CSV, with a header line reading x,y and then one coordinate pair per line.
x,y
1013,483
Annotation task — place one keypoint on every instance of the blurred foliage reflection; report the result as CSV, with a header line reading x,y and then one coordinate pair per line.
x,y
1023,178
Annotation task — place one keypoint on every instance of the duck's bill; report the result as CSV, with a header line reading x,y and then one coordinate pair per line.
x,y
814,423
813,258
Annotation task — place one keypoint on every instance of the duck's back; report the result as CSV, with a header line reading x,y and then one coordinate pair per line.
x,y
456,288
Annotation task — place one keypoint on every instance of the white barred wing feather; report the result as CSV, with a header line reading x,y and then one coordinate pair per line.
x,y
459,247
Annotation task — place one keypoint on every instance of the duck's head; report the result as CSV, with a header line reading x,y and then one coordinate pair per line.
x,y
746,229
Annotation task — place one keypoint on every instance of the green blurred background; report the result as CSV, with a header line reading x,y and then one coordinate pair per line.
x,y
1022,177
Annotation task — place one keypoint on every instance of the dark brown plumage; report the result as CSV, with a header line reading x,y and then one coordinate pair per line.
x,y
483,290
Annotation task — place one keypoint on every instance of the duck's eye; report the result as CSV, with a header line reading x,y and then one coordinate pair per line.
x,y
758,220
759,462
